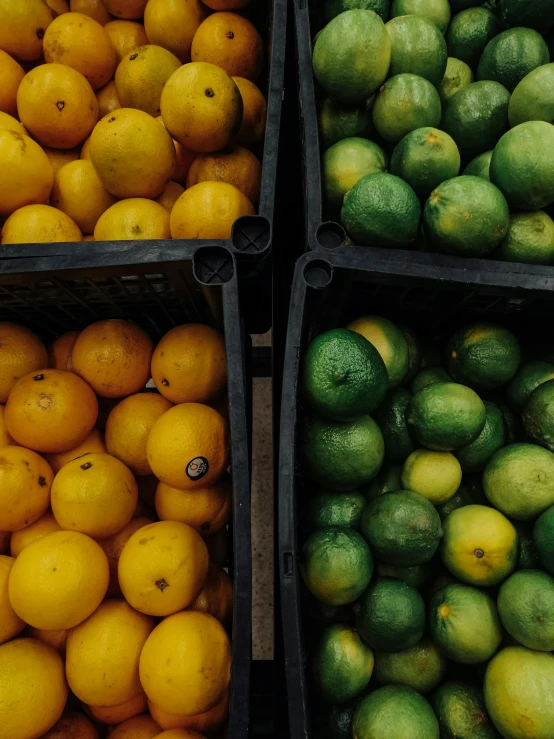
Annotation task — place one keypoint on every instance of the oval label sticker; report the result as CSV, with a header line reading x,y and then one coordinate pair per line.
x,y
197,468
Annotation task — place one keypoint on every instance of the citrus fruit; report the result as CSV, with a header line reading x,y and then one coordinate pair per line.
x,y
254,113
113,546
215,598
237,166
93,443
461,497
395,710
5,438
517,478
39,224
9,123
333,509
461,711
141,76
58,580
332,8
11,74
538,415
210,720
107,99
342,664
469,32
25,481
126,36
404,103
27,175
415,576
168,198
530,239
519,13
424,158
417,46
543,539
61,350
21,538
390,342
95,9
428,376
528,555
464,624
510,56
457,76
21,352
208,210
388,480
133,219
72,722
207,510
79,193
531,99
10,623
391,419
138,727
402,527
435,475
525,603
337,121
480,166
22,29
173,24
483,355
420,667
122,712
493,436
56,638
438,11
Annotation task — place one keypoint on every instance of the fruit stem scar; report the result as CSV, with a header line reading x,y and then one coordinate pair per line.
x,y
40,33
479,553
209,93
230,34
133,56
38,378
42,481
161,584
86,466
444,610
60,105
165,382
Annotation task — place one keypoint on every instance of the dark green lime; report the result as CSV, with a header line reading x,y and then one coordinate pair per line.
x,y
391,419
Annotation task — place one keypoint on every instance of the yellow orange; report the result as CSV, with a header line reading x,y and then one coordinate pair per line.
x,y
79,193
132,154
72,724
139,727
21,352
201,107
39,224
27,175
55,638
168,198
141,76
95,9
33,690
133,219
11,74
218,548
254,115
208,211
216,597
57,105
122,712
93,443
113,546
60,351
237,166
125,36
102,654
20,539
5,438
22,28
25,482
51,411
185,664
10,623
207,510
107,99
80,42
60,157
113,356
58,7
85,149
184,159
59,580
211,720
9,123
173,23
129,9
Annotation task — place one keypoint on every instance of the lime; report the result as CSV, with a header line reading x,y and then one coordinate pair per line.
x,y
461,711
494,435
391,419
337,121
420,667
437,11
543,538
469,32
526,609
390,342
405,102
342,664
415,576
395,711
530,239
461,498
425,158
532,100
528,377
528,556
435,475
538,415
386,481
332,8
333,509
480,166
414,352
511,55
427,376
456,77
417,46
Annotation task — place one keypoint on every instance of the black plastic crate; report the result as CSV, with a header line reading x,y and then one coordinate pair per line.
x,y
55,288
434,298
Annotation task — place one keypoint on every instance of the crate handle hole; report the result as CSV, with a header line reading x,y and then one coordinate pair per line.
x,y
331,235
318,274
288,564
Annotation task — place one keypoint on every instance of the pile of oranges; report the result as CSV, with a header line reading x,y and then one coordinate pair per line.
x,y
114,500
128,119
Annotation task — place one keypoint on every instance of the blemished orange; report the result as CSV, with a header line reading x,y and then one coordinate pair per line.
x,y
33,690
207,510
230,41
129,425
211,720
94,443
185,664
208,211
125,36
57,105
113,546
25,482
58,6
95,494
39,224
59,580
61,350
27,175
188,364
11,74
237,166
107,99
80,42
122,712
21,352
133,155
134,219
102,654
139,727
128,9
173,23
79,193
58,158
254,114
10,623
51,411
72,724
216,597
56,638
163,567
141,76
20,539
201,107
95,9
172,193
113,356
5,438
22,28
184,158
9,123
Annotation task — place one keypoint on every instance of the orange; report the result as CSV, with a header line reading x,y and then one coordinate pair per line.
x,y
232,42
79,42
125,36
107,99
21,352
188,447
141,77
211,720
216,597
139,727
93,443
58,580
208,211
254,115
133,155
10,623
39,224
162,568
201,107
113,546
58,7
184,159
5,537
133,219
59,354
168,198
129,425
22,27
122,712
207,510
94,494
54,638
27,175
236,165
5,438
102,654
129,9
9,123
57,105
85,149
79,193
185,664
11,74
173,23
180,734
25,481
72,724
95,9
60,157
51,411
113,356
33,690
188,364
46,524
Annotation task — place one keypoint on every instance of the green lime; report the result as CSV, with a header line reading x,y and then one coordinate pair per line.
x,y
421,667
480,166
405,102
425,158
511,55
457,76
483,355
494,435
325,614
337,121
386,481
533,98
335,722
417,46
435,475
526,609
333,509
332,8
538,14
461,498
538,415
469,32
414,352
530,239
543,539
528,556
390,342
513,425
415,576
437,11
391,419
342,664
461,712
395,711
528,377
428,376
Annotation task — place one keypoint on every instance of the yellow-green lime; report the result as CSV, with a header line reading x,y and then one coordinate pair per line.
x,y
457,75
421,667
394,711
538,415
530,239
425,158
332,509
437,11
511,55
480,166
417,46
427,376
405,102
435,475
494,435
333,8
469,32
337,121
533,98
390,342
527,378
342,664
526,609
461,711
391,419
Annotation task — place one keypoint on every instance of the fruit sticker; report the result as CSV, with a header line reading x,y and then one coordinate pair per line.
x,y
197,468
